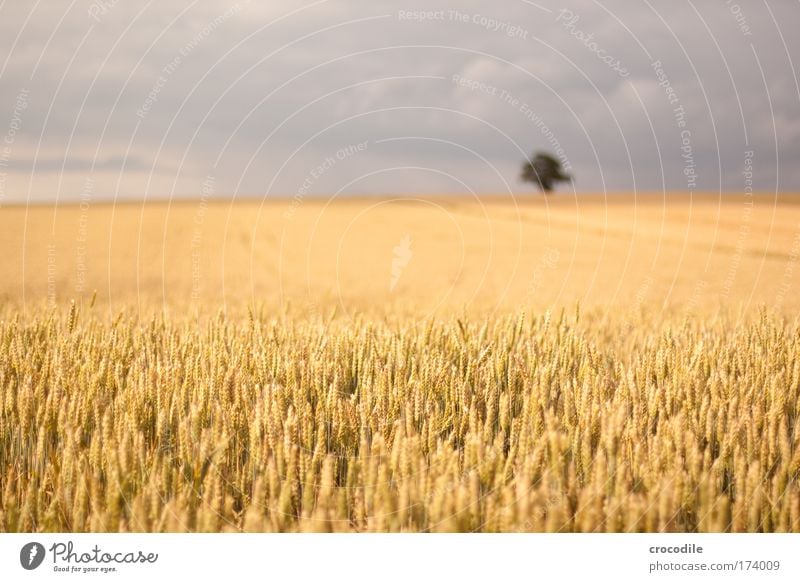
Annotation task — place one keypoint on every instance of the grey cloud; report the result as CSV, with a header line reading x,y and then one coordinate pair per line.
x,y
235,89
76,163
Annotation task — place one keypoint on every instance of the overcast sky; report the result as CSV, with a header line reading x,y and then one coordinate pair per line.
x,y
115,98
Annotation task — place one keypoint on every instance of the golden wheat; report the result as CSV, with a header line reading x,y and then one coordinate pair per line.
x,y
525,423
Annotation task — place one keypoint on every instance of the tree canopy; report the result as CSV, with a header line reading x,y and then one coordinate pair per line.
x,y
544,170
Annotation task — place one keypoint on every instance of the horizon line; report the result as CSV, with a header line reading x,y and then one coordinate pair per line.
x,y
321,197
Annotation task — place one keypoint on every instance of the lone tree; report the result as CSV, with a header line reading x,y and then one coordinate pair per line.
x,y
544,170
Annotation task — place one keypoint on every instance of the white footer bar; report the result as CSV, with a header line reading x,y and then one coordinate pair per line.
x,y
402,557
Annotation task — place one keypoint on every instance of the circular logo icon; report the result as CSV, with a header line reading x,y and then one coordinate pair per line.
x,y
31,555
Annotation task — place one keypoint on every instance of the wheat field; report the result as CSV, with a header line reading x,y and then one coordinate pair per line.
x,y
624,364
